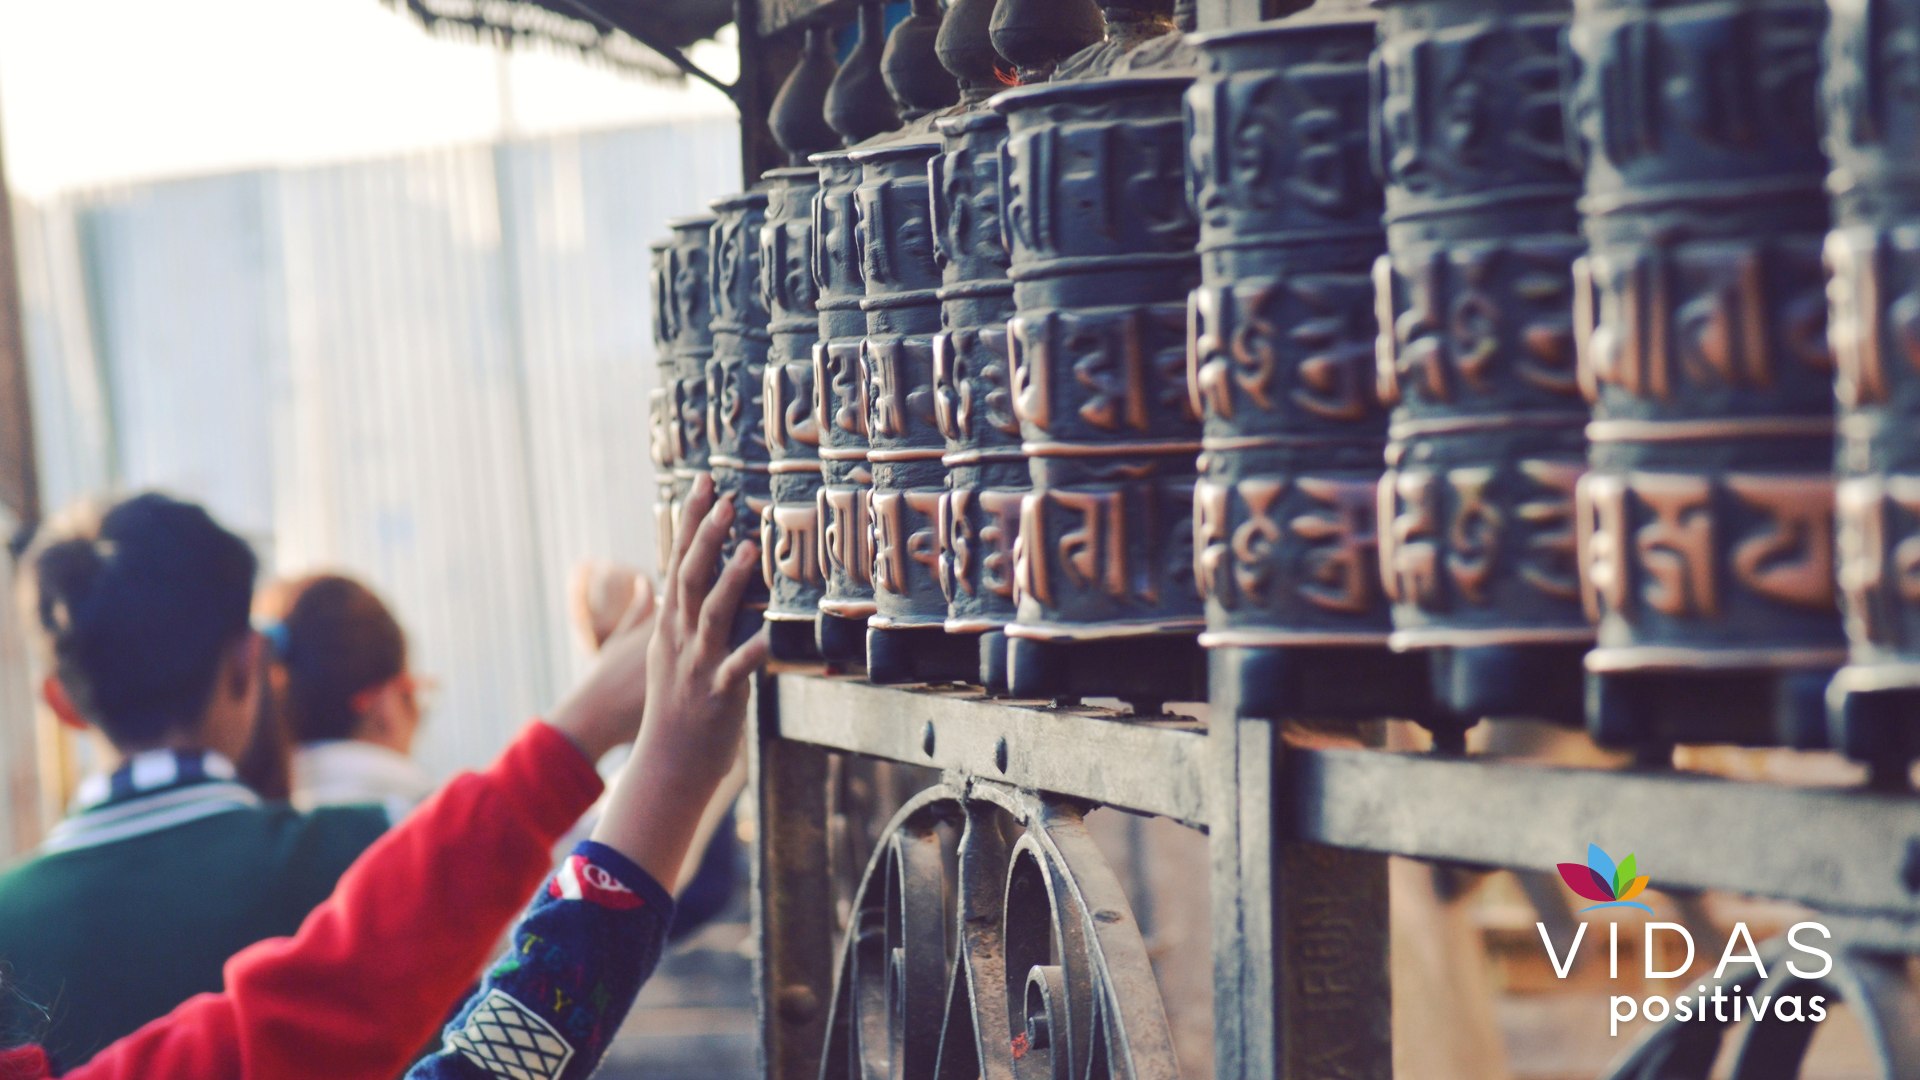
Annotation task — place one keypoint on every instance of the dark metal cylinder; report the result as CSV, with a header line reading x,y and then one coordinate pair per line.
x,y
973,390
1476,353
1873,255
736,374
790,527
662,423
840,415
1280,362
1706,521
689,312
1101,239
902,309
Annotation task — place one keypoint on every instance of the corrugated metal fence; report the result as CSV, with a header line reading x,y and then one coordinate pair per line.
x,y
429,371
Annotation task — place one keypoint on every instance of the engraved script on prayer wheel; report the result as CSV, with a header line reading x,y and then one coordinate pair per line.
x,y
1706,521
1281,364
662,423
840,415
902,308
789,529
973,390
1102,239
689,312
1873,257
736,374
1476,353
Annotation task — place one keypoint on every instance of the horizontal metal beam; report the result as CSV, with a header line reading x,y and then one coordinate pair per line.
x,y
1845,851
1148,766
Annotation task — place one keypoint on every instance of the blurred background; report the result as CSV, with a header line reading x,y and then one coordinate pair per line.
x,y
377,297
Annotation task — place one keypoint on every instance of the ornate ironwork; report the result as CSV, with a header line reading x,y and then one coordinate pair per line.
x,y
790,528
1874,263
1706,523
1476,353
1038,967
1280,364
840,415
973,391
1102,256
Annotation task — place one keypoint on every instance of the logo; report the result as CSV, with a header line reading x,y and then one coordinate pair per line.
x,y
1600,879
578,879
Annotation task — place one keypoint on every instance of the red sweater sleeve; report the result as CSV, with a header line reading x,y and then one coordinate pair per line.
x,y
375,969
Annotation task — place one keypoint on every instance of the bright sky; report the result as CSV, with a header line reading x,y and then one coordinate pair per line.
x,y
100,91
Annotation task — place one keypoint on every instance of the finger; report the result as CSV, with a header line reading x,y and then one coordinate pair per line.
x,y
716,615
750,657
692,512
639,609
701,560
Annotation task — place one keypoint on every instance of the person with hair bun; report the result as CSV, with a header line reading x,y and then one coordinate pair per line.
x,y
167,865
346,696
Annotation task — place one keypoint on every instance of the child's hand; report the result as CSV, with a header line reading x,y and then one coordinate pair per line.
x,y
696,695
696,686
605,710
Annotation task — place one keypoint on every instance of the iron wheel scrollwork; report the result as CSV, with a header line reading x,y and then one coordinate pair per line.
x,y
990,939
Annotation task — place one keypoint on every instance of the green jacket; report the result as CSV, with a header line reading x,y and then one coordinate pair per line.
x,y
134,902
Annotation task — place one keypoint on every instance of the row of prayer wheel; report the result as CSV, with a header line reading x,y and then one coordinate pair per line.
x,y
1441,359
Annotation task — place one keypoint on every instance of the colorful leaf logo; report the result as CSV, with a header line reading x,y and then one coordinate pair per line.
x,y
1602,881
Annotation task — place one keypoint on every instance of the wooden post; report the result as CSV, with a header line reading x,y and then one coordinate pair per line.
x,y
21,814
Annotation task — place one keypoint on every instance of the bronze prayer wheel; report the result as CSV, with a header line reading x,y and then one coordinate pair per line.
x,y
1706,521
736,375
1101,240
1476,353
1873,257
660,417
902,308
973,391
1280,363
689,312
840,415
790,527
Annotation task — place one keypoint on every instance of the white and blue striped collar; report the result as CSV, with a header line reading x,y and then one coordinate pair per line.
x,y
153,790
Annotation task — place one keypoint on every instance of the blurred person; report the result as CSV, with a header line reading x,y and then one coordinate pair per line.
x,y
370,973
166,866
345,696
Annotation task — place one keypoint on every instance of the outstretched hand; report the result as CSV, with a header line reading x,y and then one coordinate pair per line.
x,y
696,692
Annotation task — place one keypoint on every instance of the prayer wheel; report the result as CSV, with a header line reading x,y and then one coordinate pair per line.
x,y
906,639
1706,519
1101,244
1280,365
1476,354
973,391
690,334
736,374
662,423
840,415
1873,256
790,527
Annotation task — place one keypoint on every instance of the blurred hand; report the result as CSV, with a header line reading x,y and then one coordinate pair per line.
x,y
598,596
605,710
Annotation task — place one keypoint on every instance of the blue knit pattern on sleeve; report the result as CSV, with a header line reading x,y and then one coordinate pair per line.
x,y
551,1005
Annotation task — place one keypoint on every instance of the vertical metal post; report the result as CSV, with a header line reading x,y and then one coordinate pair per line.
x,y
1302,989
792,896
764,65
